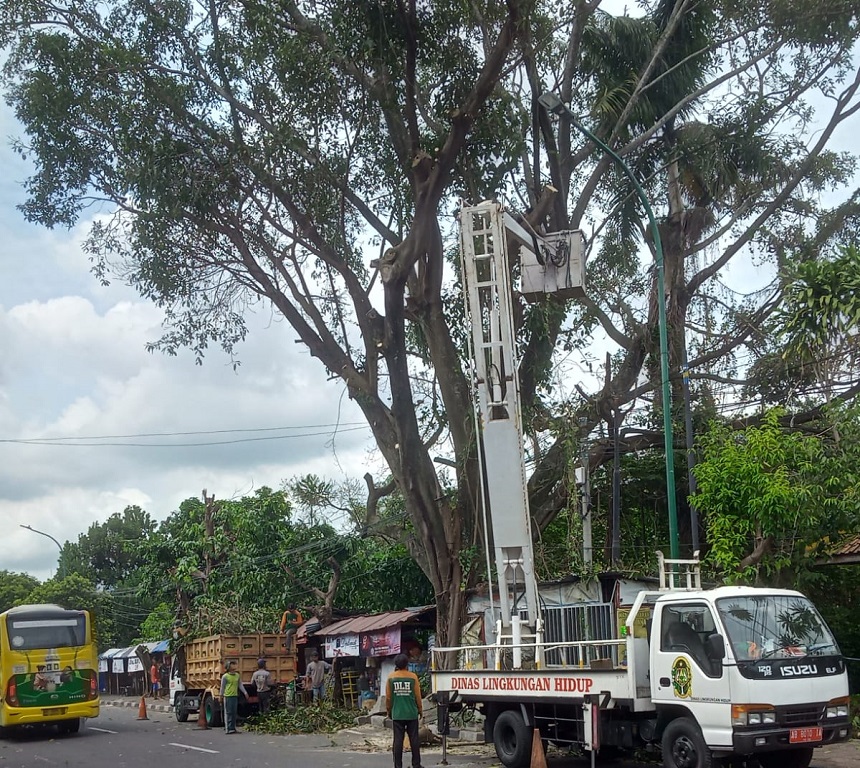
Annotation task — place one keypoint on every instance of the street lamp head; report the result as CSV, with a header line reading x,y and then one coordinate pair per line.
x,y
551,103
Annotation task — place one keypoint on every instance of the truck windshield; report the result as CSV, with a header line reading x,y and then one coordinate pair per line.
x,y
775,626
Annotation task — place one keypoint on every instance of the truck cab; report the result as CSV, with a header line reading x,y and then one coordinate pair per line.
x,y
744,671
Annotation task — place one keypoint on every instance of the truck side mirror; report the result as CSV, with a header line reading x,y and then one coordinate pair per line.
x,y
715,647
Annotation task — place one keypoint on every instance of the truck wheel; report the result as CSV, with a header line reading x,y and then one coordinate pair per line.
x,y
212,710
513,739
180,710
684,746
789,758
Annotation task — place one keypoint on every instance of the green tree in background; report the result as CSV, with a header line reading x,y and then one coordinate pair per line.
x,y
308,158
773,500
106,553
14,588
78,593
232,565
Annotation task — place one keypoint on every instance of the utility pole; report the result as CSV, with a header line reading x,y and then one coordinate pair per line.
x,y
583,480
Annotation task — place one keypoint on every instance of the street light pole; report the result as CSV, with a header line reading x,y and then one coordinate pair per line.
x,y
552,103
48,535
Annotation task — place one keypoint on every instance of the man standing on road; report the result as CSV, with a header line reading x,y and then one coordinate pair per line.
x,y
231,684
262,680
154,679
315,675
403,706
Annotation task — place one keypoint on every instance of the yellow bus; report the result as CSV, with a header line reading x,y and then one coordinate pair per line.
x,y
48,667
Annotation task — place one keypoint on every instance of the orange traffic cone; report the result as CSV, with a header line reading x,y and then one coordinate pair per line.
x,y
202,725
141,710
538,756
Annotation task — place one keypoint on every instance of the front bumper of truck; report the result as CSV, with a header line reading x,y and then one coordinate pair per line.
x,y
751,740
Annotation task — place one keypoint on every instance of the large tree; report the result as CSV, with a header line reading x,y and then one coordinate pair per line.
x,y
106,553
258,152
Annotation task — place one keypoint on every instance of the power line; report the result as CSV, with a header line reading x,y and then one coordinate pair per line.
x,y
54,442
185,434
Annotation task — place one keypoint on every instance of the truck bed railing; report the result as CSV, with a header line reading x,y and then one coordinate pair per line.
x,y
679,574
575,654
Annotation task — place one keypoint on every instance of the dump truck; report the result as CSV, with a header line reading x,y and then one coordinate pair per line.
x,y
195,676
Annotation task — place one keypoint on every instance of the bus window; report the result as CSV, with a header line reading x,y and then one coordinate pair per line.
x,y
34,633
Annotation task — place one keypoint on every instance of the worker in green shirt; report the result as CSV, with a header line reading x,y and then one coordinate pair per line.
x,y
403,706
231,685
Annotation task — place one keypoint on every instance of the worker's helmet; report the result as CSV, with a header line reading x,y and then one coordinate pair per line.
x,y
261,663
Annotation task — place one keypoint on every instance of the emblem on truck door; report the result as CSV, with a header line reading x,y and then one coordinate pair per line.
x,y
682,678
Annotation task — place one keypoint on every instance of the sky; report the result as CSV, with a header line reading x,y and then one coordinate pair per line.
x,y
73,364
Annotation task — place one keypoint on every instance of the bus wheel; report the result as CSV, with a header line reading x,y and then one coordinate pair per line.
x,y
69,726
212,711
513,739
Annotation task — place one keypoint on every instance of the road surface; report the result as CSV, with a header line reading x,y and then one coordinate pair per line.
x,y
117,739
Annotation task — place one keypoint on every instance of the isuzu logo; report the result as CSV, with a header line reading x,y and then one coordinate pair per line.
x,y
799,670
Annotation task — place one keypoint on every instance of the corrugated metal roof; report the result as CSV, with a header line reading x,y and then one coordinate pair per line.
x,y
850,547
374,622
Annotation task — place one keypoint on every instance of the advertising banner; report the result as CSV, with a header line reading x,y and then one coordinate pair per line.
x,y
135,664
341,645
117,666
383,643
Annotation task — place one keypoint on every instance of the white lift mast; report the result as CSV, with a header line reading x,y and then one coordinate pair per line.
x,y
551,263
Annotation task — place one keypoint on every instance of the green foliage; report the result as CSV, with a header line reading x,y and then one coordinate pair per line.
x,y
158,625
835,590
78,593
822,307
250,155
316,718
233,572
106,553
779,494
14,588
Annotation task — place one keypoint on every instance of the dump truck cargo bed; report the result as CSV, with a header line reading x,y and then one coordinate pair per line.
x,y
205,658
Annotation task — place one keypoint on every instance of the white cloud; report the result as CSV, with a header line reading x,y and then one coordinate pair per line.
x,y
69,369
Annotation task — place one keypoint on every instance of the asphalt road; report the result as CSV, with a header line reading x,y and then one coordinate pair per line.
x,y
117,739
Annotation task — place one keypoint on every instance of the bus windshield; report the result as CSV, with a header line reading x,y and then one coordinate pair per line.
x,y
34,632
775,626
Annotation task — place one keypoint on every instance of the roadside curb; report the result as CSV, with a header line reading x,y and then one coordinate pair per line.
x,y
152,706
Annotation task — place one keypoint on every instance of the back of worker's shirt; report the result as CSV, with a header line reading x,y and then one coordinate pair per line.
x,y
403,692
262,679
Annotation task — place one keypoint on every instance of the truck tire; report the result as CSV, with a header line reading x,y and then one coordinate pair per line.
x,y
513,739
212,710
788,758
180,710
684,746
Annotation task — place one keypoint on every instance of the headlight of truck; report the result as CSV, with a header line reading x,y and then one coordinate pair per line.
x,y
837,707
753,714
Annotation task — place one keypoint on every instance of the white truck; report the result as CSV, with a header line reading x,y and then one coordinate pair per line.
x,y
708,675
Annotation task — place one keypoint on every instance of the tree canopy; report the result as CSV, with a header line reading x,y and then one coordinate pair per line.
x,y
309,156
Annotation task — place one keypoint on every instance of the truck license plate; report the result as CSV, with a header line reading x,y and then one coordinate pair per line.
x,y
805,735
